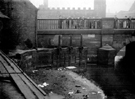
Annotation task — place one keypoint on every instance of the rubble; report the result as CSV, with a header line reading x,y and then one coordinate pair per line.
x,y
67,84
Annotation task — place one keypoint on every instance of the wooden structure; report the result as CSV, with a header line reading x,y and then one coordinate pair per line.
x,y
27,88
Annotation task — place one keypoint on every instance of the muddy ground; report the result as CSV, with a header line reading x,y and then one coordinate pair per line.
x,y
114,84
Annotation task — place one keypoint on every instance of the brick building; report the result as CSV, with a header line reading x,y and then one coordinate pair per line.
x,y
21,23
47,13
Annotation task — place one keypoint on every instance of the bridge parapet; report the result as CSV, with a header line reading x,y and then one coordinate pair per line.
x,y
85,23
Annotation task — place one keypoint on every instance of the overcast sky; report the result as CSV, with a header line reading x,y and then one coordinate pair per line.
x,y
112,5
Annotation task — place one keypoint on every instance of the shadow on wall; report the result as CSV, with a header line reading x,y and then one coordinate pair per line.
x,y
8,40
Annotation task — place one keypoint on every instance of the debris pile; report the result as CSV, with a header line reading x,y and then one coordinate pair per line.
x,y
67,84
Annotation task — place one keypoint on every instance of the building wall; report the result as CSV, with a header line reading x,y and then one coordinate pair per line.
x,y
100,8
54,13
21,26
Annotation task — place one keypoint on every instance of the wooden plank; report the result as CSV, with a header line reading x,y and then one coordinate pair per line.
x,y
25,76
3,72
5,60
21,85
35,84
24,80
32,87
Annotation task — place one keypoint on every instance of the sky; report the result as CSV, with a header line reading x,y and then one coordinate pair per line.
x,y
113,6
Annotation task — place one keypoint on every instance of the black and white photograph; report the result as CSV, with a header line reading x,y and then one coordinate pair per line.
x,y
67,49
